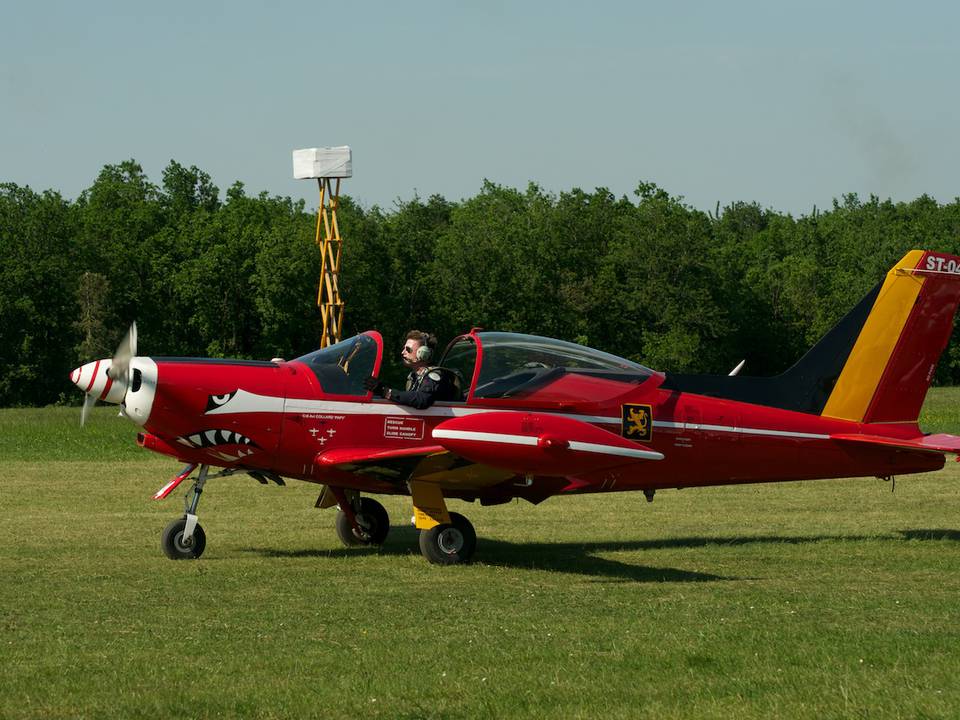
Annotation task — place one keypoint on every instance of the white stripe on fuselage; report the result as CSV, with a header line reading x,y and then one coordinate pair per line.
x,y
527,440
245,402
741,430
489,437
614,450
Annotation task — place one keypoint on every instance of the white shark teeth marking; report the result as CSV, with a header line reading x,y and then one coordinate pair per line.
x,y
231,458
214,438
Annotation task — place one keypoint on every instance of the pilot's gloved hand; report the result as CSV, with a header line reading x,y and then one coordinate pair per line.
x,y
374,385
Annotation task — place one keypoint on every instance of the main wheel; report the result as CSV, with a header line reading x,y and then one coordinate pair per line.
x,y
372,518
173,543
449,543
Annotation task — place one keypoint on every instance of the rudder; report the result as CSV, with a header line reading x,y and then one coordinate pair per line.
x,y
888,372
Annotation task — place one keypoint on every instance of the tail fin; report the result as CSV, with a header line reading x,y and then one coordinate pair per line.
x,y
887,374
876,364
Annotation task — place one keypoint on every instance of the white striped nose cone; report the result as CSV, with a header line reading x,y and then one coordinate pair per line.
x,y
92,378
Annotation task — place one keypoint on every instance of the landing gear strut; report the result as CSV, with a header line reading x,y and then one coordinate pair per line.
x,y
360,520
183,538
446,538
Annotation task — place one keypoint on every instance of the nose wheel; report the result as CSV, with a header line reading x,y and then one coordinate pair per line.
x,y
176,543
184,538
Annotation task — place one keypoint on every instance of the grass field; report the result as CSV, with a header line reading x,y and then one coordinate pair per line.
x,y
830,599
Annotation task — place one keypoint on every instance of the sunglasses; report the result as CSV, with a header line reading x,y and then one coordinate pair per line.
x,y
408,349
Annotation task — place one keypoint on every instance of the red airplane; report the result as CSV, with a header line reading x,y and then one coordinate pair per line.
x,y
541,417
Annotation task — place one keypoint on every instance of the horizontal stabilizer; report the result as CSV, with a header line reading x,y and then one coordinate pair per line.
x,y
538,444
941,443
347,456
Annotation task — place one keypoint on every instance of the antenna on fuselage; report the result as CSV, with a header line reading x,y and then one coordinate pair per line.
x,y
327,164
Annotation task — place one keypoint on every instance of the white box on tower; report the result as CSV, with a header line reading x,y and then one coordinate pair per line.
x,y
325,162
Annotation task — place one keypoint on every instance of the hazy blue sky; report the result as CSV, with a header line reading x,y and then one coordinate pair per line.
x,y
786,104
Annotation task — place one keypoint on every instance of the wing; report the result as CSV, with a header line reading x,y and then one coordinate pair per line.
x,y
538,444
394,468
476,452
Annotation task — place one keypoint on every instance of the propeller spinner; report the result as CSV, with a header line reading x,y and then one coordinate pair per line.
x,y
106,380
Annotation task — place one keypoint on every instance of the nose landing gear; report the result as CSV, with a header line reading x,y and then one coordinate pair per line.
x,y
177,544
184,538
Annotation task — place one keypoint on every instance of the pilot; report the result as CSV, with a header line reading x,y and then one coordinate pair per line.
x,y
425,383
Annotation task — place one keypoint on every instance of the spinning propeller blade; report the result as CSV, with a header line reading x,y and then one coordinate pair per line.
x,y
88,402
125,351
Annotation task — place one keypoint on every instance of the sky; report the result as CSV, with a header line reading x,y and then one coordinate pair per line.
x,y
787,104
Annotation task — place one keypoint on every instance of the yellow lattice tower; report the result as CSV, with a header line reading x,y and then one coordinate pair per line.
x,y
327,165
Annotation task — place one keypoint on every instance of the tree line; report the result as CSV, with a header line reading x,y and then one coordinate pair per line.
x,y
647,276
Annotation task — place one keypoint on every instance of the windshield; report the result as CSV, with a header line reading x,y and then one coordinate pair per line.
x,y
341,369
513,364
460,358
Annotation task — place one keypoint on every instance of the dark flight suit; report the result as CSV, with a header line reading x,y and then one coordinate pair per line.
x,y
435,383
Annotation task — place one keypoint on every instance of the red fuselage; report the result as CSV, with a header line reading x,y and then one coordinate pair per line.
x,y
276,417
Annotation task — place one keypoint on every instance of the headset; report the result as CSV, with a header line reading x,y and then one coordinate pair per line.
x,y
424,353
427,343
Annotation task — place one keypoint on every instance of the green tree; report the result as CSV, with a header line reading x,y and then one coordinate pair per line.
x,y
37,285
92,291
657,286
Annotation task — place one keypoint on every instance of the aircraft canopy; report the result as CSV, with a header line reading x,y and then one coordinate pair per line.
x,y
512,363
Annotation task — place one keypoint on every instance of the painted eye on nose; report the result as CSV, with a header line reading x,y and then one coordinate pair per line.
x,y
215,401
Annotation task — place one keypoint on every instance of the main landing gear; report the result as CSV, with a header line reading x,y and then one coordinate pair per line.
x,y
449,543
362,521
446,538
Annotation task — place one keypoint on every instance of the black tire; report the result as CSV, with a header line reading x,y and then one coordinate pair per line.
x,y
450,543
372,517
172,541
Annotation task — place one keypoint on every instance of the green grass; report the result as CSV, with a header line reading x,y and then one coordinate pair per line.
x,y
54,433
829,599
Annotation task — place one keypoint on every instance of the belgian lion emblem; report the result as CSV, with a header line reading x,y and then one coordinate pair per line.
x,y
636,422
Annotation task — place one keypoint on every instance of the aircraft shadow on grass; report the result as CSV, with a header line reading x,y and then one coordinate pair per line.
x,y
583,558
931,534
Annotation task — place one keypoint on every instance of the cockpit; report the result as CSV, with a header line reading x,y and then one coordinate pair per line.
x,y
512,365
491,366
341,368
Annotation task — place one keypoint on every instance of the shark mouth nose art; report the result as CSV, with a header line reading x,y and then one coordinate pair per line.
x,y
215,442
215,438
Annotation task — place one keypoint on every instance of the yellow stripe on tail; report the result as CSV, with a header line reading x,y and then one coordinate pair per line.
x,y
881,332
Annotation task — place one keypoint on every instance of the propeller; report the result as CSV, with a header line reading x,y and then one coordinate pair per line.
x,y
127,349
106,380
88,402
